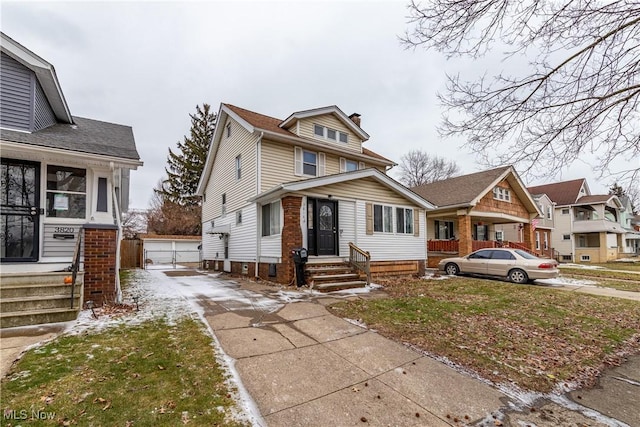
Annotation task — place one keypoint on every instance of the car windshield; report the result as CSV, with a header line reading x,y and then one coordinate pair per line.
x,y
525,255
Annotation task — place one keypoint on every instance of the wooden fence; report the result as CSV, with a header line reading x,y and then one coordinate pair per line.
x,y
131,254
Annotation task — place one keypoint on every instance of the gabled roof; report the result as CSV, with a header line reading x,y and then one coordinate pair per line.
x,y
85,136
460,190
45,73
467,190
562,193
600,199
332,109
270,126
311,183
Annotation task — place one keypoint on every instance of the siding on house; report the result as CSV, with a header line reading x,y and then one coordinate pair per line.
x,y
346,226
223,176
514,207
563,225
354,143
43,116
16,94
363,189
58,247
391,246
242,237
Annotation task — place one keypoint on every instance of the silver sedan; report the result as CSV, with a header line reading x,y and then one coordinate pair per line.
x,y
514,264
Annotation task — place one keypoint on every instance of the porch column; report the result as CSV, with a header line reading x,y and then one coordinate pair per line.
x,y
291,236
528,237
465,244
100,263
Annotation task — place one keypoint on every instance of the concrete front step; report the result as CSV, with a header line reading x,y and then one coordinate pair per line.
x,y
40,289
15,279
20,304
327,269
338,286
37,317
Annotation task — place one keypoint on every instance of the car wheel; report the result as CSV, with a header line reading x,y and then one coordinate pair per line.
x,y
451,269
518,276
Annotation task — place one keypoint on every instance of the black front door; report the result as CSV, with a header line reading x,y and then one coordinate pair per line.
x,y
326,222
20,210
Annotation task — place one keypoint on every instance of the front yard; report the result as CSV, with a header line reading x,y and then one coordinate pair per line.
x,y
154,373
625,276
534,337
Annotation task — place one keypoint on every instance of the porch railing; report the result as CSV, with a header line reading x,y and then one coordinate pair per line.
x,y
484,244
443,245
361,260
75,266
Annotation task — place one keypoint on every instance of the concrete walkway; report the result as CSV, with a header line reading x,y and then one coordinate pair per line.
x,y
302,366
596,290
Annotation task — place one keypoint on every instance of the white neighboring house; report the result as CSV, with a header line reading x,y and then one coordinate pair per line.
x,y
272,185
62,176
588,228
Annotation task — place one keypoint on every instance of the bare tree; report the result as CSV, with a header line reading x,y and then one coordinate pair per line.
x,y
134,222
579,95
170,218
418,167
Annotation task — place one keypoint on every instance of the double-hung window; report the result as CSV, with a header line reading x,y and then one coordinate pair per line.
x,y
66,192
382,219
238,167
309,163
404,220
330,134
271,219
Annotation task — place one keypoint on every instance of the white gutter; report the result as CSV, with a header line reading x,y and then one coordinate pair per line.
x,y
116,214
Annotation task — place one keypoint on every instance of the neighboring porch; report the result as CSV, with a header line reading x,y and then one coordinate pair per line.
x,y
459,236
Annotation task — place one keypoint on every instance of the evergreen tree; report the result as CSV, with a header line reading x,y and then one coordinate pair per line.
x,y
186,164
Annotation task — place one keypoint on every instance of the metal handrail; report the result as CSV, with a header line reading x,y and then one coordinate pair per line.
x,y
75,266
361,260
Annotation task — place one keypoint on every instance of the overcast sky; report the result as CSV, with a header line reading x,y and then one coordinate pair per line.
x,y
148,64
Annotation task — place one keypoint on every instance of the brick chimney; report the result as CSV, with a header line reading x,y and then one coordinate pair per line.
x,y
355,118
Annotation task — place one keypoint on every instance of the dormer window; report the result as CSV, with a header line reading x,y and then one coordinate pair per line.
x,y
330,134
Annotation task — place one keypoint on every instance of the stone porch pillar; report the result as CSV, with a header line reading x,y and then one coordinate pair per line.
x,y
291,236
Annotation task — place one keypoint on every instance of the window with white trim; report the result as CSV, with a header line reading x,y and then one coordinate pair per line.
x,y
565,211
238,167
549,212
537,240
444,230
566,237
585,257
382,219
503,194
309,163
66,192
499,235
404,221
330,134
271,219
228,130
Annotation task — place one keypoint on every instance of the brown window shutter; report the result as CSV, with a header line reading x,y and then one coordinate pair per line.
x,y
369,215
416,222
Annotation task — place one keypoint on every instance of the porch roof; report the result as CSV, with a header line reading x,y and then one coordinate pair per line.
x,y
307,184
85,136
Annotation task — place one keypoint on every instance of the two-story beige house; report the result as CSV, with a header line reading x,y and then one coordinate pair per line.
x,y
271,185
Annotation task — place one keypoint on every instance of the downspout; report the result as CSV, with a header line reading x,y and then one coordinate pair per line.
x,y
116,214
258,211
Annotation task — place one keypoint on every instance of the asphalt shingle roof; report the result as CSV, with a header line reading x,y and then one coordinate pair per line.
x,y
562,193
459,190
86,136
272,124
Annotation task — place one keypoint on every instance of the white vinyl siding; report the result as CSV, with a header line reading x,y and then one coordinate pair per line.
x,y
385,247
346,225
242,237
